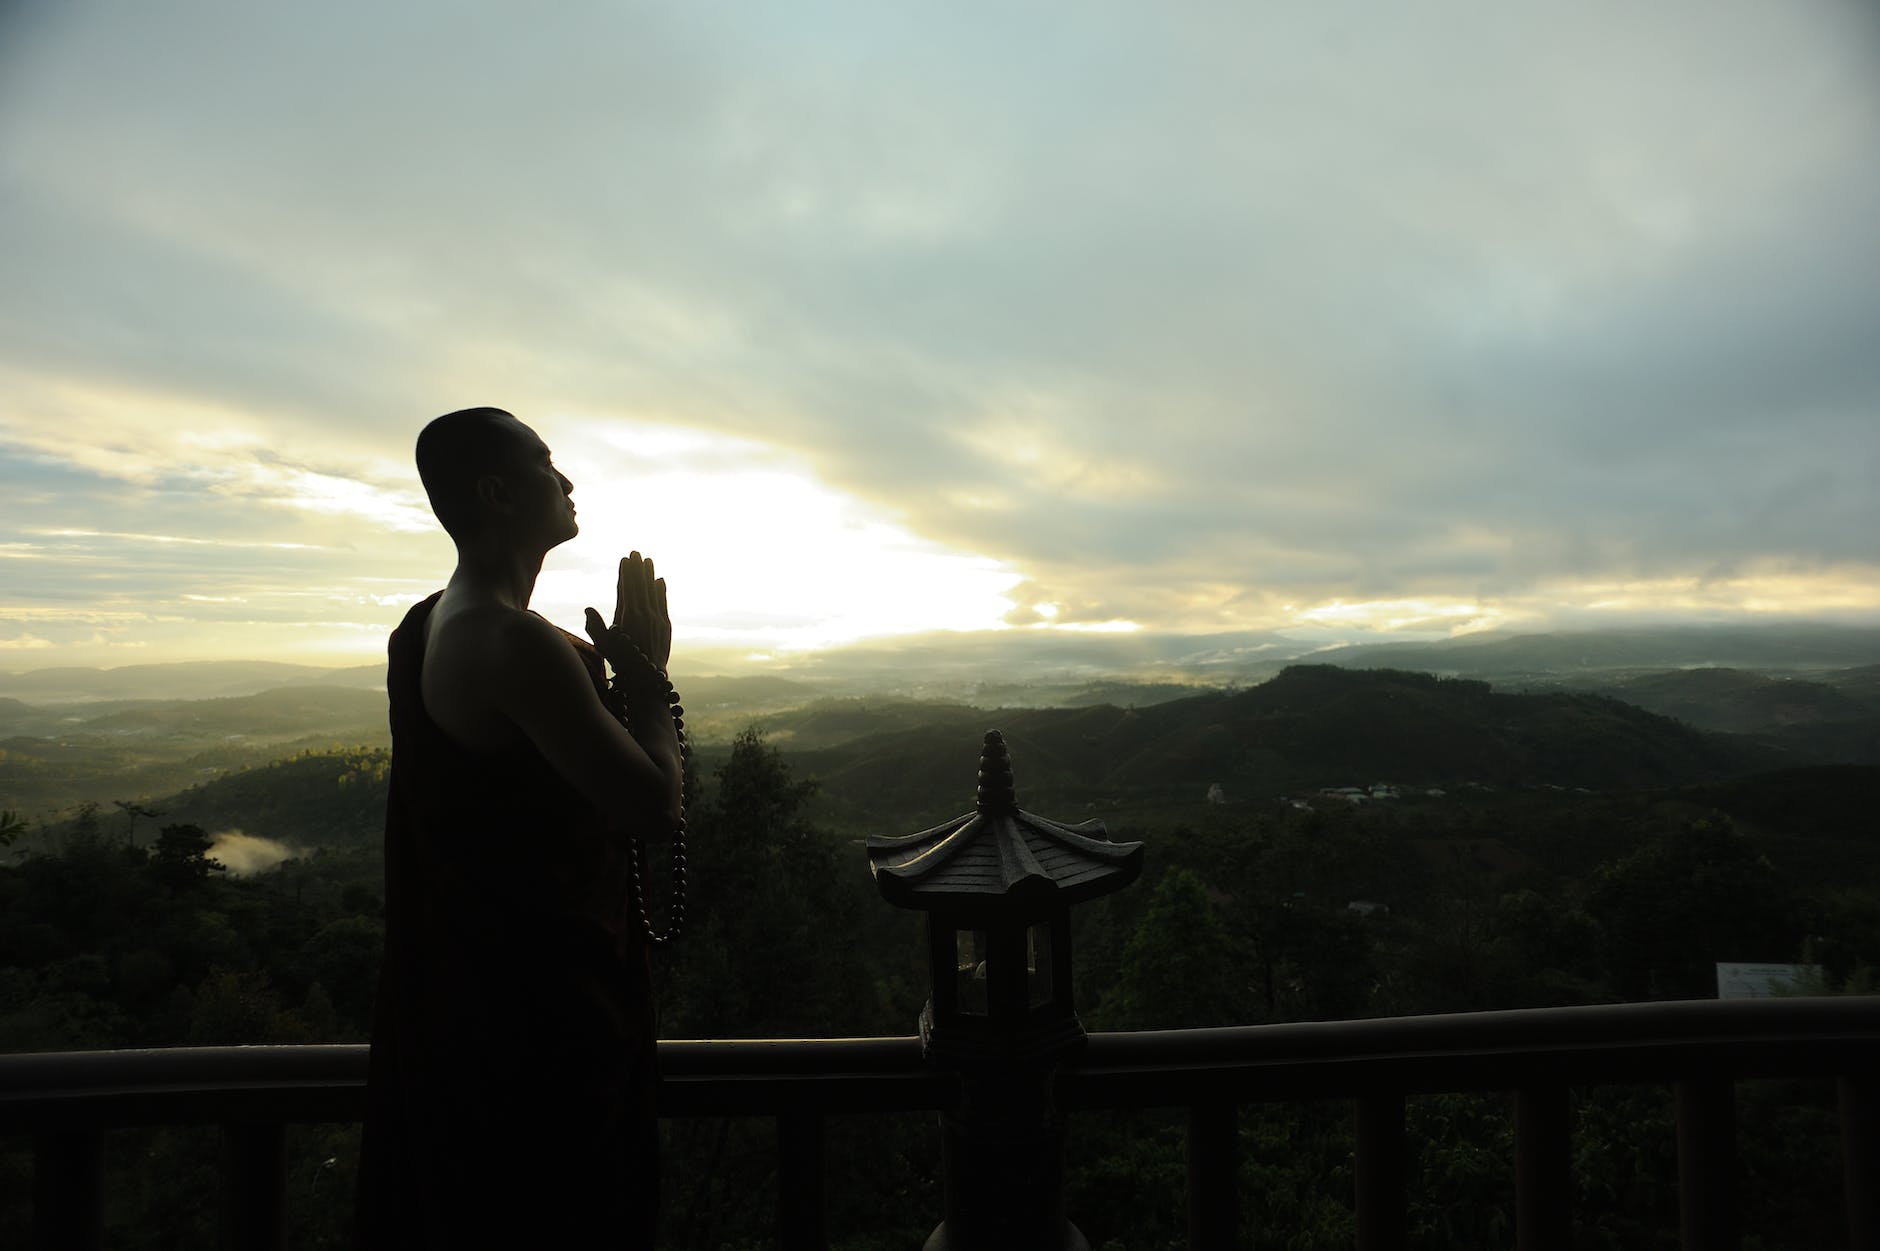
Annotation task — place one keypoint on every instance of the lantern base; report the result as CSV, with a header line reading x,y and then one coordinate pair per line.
x,y
1073,1240
965,1043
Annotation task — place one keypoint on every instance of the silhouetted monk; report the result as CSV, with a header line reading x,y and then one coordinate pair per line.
x,y
510,1099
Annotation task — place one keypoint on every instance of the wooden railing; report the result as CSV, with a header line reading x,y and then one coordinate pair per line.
x,y
66,1100
1701,1047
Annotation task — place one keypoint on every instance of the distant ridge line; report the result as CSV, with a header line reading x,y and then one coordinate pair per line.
x,y
187,679
1001,663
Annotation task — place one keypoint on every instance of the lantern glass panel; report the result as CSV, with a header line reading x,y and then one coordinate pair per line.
x,y
970,975
1038,965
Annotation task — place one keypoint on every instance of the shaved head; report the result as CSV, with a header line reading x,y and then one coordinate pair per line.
x,y
457,449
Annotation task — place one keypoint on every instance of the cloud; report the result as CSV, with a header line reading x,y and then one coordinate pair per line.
x,y
244,855
1177,319
197,529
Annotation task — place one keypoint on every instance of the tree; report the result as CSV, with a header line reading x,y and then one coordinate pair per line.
x,y
768,951
1283,884
343,959
83,838
240,1008
768,947
1179,969
1685,899
132,810
180,857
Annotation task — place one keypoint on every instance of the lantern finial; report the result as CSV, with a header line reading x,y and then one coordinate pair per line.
x,y
996,793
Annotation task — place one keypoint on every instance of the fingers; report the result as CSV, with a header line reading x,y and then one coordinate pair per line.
x,y
596,627
639,594
637,600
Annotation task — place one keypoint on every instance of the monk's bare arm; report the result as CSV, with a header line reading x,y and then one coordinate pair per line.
x,y
541,685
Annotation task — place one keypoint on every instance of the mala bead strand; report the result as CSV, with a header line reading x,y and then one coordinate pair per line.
x,y
675,912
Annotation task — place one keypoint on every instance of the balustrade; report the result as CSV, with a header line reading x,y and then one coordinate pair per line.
x,y
67,1101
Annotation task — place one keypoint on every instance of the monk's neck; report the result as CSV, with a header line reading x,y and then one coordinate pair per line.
x,y
506,577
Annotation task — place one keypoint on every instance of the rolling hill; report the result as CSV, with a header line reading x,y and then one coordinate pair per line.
x,y
1736,701
55,758
1828,718
1312,726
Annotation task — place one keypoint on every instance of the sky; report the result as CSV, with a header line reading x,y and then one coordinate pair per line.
x,y
865,320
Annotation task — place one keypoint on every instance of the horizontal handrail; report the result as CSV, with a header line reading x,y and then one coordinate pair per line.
x,y
773,1076
1589,1045
62,1090
201,1085
1464,1051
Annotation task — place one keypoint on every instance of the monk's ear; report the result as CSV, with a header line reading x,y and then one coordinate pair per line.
x,y
493,493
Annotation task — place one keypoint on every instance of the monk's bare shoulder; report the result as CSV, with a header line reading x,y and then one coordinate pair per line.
x,y
477,656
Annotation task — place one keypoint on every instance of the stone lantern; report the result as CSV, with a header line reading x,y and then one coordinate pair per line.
x,y
997,885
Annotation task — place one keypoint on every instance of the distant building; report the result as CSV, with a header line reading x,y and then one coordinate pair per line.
x,y
1368,908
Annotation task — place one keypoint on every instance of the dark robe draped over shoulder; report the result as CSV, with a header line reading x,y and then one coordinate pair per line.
x,y
511,1085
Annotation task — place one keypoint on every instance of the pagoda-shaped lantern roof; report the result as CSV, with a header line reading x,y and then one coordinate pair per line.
x,y
998,860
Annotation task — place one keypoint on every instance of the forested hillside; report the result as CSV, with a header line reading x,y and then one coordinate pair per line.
x,y
1827,717
1308,728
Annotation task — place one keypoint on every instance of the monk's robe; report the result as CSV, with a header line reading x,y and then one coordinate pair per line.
x,y
510,1098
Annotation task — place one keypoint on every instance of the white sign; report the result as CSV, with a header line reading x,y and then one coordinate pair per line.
x,y
1764,981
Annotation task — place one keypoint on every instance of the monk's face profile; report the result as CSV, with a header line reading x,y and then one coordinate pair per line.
x,y
541,498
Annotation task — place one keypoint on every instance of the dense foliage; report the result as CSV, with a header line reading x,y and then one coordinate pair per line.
x,y
123,929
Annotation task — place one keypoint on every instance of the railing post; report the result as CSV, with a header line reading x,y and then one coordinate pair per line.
x,y
1860,1159
1543,1170
802,1216
1378,1172
1707,1164
1213,1176
68,1191
254,1186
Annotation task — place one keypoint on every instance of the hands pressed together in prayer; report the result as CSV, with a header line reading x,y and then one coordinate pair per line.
x,y
641,632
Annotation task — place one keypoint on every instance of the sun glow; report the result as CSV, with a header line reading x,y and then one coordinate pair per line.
x,y
757,551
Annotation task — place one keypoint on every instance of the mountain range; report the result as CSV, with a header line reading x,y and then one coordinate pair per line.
x,y
1310,727
1054,668
1600,722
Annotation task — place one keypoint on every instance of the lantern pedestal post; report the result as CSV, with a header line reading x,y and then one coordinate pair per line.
x,y
997,885
1002,1146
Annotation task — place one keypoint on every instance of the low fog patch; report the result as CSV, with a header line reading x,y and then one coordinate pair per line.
x,y
246,854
